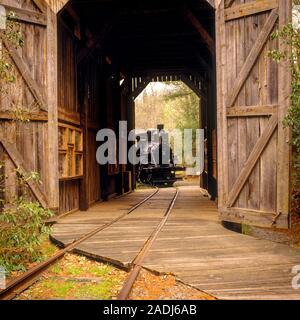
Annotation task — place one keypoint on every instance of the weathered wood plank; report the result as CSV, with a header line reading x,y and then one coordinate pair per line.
x,y
252,160
250,8
228,3
41,4
192,245
253,217
19,162
41,116
221,105
241,101
251,59
33,86
284,134
251,111
52,102
30,16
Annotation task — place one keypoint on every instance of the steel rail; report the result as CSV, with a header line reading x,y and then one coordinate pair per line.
x,y
139,259
26,279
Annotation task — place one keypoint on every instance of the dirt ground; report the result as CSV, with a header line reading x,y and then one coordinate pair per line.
x,y
78,278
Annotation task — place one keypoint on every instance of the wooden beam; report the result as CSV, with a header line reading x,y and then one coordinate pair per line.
x,y
33,86
94,42
191,85
252,160
228,3
41,116
252,57
71,118
253,217
84,182
72,13
284,153
41,4
212,3
141,87
252,111
52,101
20,163
250,8
27,15
205,36
221,106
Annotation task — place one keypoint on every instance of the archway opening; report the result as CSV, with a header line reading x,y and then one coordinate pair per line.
x,y
173,107
108,52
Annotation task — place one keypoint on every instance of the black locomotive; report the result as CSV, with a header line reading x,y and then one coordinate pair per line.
x,y
157,164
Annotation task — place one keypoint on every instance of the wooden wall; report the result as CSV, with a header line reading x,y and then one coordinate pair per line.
x,y
26,144
79,106
67,96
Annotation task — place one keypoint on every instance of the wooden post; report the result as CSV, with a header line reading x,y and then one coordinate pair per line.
x,y
131,125
221,107
52,101
284,149
84,184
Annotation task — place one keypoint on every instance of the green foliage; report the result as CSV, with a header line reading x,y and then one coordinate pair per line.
x,y
13,31
183,106
13,34
171,103
22,226
21,229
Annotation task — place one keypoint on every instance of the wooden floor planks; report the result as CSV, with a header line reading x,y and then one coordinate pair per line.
x,y
193,245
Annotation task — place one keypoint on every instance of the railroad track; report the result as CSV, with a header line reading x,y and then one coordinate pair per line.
x,y
137,263
28,278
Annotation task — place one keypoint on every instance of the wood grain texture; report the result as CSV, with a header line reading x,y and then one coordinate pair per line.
x,y
252,93
252,57
193,245
249,8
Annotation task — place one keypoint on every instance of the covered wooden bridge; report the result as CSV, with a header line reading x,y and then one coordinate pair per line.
x,y
84,62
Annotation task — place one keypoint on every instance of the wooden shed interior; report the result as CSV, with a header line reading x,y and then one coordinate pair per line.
x,y
101,43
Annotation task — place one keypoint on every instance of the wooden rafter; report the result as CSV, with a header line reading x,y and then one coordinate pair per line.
x,y
96,41
19,162
252,160
205,36
252,57
33,86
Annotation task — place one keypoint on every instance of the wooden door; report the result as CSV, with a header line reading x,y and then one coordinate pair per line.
x,y
31,145
253,97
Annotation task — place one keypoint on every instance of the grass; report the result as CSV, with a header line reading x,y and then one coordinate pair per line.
x,y
61,289
96,291
76,277
57,289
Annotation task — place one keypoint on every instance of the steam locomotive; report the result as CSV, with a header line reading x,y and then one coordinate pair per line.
x,y
157,164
